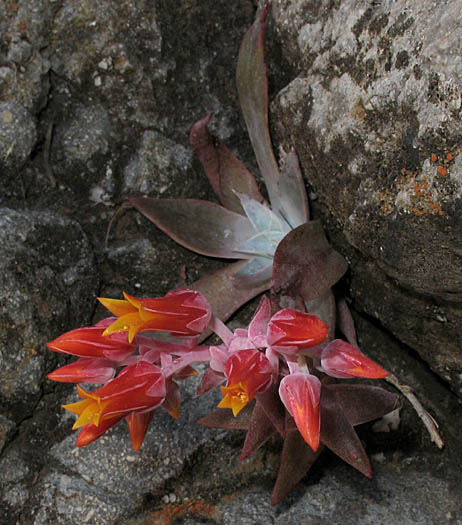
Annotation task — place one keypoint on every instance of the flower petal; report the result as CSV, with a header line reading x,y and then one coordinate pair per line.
x,y
138,424
85,370
292,328
90,342
342,360
301,395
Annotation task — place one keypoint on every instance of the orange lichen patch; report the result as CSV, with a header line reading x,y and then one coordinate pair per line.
x,y
171,511
422,192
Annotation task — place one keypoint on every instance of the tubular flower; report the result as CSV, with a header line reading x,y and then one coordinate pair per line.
x,y
90,342
342,360
85,370
138,387
248,372
180,312
301,395
290,330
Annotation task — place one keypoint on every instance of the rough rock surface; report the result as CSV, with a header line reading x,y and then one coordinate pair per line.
x,y
374,112
96,103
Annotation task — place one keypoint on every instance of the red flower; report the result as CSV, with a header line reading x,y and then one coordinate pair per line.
x,y
342,360
248,372
181,312
291,330
301,395
85,370
90,342
138,387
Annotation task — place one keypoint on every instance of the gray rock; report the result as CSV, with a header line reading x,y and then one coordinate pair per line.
x,y
24,77
374,114
86,135
17,135
158,163
48,284
7,428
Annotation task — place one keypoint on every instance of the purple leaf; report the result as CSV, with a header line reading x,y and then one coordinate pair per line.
x,y
210,380
223,418
273,407
338,434
296,459
345,322
225,172
252,87
305,264
292,192
201,226
203,144
260,430
361,403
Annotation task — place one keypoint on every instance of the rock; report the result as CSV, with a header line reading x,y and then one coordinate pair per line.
x,y
48,284
17,136
374,114
158,164
7,428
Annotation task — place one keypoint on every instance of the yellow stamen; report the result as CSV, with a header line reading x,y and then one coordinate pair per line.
x,y
130,323
235,397
89,409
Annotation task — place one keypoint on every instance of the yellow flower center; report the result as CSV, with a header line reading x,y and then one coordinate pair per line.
x,y
235,397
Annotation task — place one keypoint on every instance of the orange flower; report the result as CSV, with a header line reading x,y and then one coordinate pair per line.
x,y
291,330
342,360
248,372
301,395
138,387
90,342
180,312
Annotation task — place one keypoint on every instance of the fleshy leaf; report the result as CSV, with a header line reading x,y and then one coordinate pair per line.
x,y
274,409
252,87
305,264
225,172
223,418
338,434
260,430
292,192
201,226
296,459
210,380
345,322
361,403
224,293
256,270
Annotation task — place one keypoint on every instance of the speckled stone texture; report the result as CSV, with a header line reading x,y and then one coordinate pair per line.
x,y
374,112
96,103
